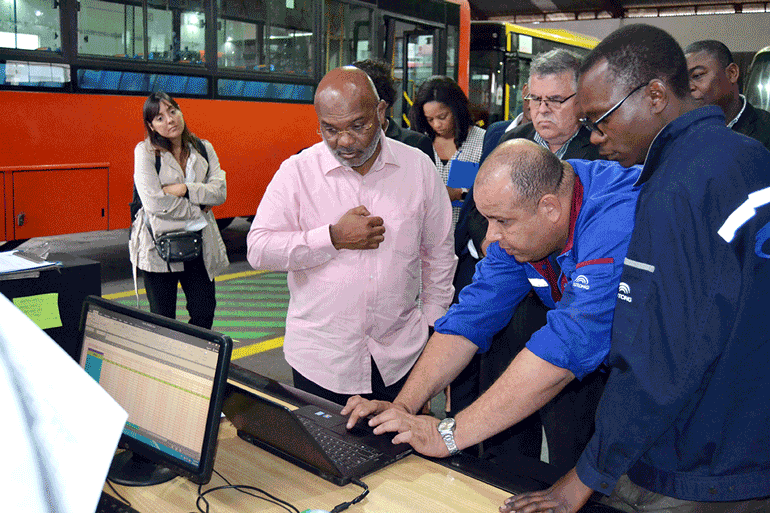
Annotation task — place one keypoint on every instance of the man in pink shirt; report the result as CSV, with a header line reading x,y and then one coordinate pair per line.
x,y
360,222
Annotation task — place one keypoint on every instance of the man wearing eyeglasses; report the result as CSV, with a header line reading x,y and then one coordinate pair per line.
x,y
554,107
360,222
683,422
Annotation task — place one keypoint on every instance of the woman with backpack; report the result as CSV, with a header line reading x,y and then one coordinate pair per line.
x,y
174,237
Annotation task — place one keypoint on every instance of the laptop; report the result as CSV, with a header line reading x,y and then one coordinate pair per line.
x,y
304,429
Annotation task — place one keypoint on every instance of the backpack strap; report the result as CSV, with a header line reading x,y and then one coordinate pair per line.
x,y
202,150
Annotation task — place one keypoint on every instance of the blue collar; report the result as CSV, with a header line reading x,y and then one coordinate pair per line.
x,y
661,147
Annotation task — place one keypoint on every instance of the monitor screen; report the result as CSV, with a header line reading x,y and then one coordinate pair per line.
x,y
170,377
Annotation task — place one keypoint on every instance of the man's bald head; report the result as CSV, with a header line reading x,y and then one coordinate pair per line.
x,y
343,87
525,193
350,116
530,169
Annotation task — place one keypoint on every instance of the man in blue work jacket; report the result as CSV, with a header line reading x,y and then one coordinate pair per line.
x,y
560,228
684,422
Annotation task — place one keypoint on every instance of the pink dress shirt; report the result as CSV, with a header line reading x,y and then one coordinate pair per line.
x,y
348,306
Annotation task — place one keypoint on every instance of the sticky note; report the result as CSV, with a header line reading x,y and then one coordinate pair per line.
x,y
43,309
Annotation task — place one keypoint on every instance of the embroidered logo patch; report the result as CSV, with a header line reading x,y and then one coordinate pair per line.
x,y
581,282
624,292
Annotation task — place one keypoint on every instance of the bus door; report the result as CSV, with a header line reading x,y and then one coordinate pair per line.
x,y
412,51
486,88
517,75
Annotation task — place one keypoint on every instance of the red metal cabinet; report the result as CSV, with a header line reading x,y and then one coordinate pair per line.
x,y
58,200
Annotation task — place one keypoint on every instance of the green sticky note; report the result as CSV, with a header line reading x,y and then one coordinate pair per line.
x,y
43,309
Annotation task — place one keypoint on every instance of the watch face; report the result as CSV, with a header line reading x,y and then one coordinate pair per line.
x,y
447,424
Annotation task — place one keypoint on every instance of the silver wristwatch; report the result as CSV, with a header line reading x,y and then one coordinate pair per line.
x,y
446,429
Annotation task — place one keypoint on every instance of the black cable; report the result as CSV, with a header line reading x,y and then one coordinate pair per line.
x,y
223,477
345,505
243,489
126,501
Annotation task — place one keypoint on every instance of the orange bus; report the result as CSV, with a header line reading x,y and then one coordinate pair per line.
x,y
74,75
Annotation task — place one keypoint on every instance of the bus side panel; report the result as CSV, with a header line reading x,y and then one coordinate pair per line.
x,y
75,130
463,70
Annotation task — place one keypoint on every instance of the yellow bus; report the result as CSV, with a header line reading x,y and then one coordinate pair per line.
x,y
500,56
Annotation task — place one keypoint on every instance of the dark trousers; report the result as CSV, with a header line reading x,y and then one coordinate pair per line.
x,y
568,419
198,290
379,390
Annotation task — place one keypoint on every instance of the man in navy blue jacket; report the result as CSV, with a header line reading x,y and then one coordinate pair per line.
x,y
683,425
558,228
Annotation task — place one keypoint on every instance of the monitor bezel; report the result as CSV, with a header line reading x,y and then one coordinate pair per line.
x,y
200,474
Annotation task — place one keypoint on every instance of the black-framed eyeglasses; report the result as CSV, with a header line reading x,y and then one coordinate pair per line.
x,y
550,103
593,126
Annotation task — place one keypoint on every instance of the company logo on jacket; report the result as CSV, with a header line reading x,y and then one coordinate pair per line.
x,y
624,292
581,282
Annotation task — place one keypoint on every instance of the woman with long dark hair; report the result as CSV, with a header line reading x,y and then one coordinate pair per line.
x,y
178,179
441,111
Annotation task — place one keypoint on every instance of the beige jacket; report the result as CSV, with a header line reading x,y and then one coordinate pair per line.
x,y
168,213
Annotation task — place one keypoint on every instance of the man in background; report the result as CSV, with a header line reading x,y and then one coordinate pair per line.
x,y
714,80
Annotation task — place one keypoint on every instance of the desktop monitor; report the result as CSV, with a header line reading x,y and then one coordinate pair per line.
x,y
170,377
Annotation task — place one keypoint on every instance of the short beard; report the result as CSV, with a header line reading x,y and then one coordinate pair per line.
x,y
368,152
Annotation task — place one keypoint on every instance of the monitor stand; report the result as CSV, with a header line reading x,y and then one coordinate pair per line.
x,y
131,469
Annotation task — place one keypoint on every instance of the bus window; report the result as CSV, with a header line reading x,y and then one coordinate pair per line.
x,y
248,39
501,54
485,90
758,81
517,73
413,58
452,49
348,33
113,29
30,25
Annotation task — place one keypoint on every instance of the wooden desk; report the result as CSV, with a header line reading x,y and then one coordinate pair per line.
x,y
412,484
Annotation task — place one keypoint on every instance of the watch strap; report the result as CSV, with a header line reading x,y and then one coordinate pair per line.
x,y
446,430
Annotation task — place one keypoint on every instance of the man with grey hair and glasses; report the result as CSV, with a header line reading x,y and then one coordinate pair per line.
x,y
554,108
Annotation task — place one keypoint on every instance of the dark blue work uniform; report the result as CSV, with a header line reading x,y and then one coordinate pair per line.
x,y
685,410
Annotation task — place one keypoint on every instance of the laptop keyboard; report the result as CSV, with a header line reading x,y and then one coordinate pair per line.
x,y
347,455
111,504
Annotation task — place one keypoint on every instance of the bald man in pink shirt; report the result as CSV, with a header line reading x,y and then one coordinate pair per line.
x,y
363,225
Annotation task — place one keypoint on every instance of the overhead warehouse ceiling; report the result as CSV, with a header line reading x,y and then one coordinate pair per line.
x,y
524,11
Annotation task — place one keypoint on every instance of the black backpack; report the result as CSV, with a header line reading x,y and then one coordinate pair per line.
x,y
136,202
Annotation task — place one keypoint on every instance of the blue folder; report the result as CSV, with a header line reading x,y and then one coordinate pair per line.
x,y
461,176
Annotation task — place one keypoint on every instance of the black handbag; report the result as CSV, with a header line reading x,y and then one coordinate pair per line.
x,y
179,246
